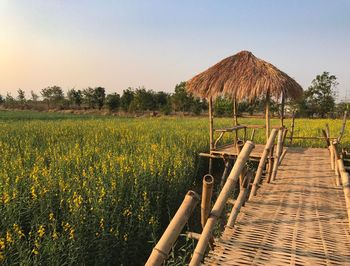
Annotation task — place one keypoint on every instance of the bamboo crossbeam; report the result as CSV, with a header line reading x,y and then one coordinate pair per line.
x,y
193,235
312,138
231,129
220,203
240,201
207,192
345,178
278,154
161,250
262,162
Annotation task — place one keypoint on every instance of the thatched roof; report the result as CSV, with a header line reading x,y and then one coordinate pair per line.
x,y
245,77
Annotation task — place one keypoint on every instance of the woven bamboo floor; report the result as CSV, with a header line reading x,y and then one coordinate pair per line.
x,y
299,219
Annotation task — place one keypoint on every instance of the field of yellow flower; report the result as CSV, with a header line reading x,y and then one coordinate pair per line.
x,y
98,190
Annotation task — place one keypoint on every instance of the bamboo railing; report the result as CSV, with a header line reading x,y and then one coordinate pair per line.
x,y
220,203
262,162
345,179
161,250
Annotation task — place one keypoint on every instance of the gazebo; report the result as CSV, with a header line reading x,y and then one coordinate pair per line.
x,y
242,77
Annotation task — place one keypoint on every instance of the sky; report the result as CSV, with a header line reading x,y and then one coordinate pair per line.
x,y
159,43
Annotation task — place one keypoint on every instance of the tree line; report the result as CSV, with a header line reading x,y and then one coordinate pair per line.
x,y
319,100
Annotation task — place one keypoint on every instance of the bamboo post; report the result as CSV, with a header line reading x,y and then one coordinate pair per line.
x,y
220,203
278,152
326,138
207,192
345,178
262,163
211,132
253,134
240,201
331,152
267,114
161,250
282,109
336,157
282,156
235,121
343,127
292,128
270,165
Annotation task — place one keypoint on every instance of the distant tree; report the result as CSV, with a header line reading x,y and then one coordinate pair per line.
x,y
223,106
113,101
2,100
143,100
99,97
21,96
52,95
89,97
320,96
126,99
9,100
181,100
34,96
75,97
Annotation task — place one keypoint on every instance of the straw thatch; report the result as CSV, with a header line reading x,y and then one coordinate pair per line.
x,y
243,76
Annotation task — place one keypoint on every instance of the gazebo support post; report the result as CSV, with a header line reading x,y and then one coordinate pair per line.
x,y
267,114
211,132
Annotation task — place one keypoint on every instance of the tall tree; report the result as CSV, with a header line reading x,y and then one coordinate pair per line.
x,y
34,96
113,101
21,96
75,97
52,95
126,99
99,97
320,96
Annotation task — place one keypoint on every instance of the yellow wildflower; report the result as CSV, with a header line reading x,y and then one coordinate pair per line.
x,y
9,238
41,231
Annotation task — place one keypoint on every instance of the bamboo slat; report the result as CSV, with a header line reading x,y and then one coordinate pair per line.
x,y
300,220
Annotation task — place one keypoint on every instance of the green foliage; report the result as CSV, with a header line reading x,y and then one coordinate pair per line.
x,y
52,95
75,97
99,97
126,99
113,101
21,96
319,99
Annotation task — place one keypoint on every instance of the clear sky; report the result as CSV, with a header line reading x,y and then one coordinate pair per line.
x,y
158,43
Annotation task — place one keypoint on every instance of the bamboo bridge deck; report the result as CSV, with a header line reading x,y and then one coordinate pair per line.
x,y
299,219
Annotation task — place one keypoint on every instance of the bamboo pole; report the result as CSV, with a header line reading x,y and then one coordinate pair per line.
x,y
343,127
336,157
235,121
278,153
207,192
220,203
262,163
193,235
267,115
282,109
292,128
282,156
240,200
253,134
331,153
161,250
345,178
270,164
211,132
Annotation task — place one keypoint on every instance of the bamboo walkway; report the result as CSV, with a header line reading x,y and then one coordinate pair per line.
x,y
299,219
